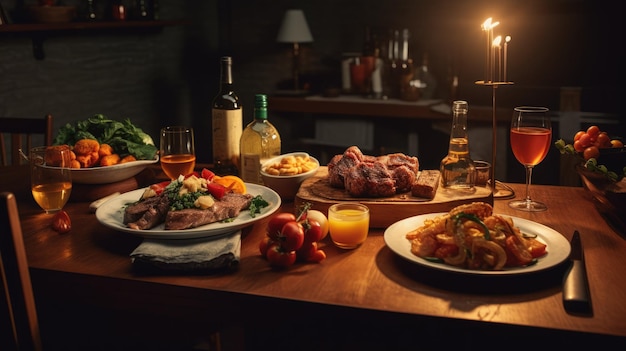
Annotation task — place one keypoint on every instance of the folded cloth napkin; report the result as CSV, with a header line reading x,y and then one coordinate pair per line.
x,y
189,255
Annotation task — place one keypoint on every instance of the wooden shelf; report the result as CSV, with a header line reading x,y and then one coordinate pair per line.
x,y
40,31
83,26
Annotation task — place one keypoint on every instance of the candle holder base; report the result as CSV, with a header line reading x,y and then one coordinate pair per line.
x,y
501,191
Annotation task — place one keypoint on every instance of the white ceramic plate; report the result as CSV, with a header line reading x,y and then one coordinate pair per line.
x,y
111,214
557,245
110,174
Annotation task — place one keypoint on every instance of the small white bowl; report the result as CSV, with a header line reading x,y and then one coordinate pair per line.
x,y
287,185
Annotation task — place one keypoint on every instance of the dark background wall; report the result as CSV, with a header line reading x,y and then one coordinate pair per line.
x,y
170,76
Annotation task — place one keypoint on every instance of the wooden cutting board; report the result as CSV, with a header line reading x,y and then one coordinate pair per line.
x,y
385,211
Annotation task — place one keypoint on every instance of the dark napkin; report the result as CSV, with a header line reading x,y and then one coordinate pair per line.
x,y
189,255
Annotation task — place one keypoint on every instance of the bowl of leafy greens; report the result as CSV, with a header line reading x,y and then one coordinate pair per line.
x,y
115,151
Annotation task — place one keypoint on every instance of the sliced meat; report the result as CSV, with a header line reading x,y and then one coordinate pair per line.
x,y
369,179
404,178
147,213
228,206
339,165
398,160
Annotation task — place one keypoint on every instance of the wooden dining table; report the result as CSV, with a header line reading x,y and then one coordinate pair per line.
x,y
87,289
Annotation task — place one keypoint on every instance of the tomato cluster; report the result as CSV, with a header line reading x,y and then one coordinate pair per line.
x,y
590,141
290,239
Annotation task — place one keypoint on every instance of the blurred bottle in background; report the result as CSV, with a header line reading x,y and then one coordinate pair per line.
x,y
425,80
260,141
227,123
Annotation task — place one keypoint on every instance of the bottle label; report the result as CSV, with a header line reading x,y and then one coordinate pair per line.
x,y
251,168
227,129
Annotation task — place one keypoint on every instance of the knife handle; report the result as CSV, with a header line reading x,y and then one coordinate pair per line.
x,y
576,289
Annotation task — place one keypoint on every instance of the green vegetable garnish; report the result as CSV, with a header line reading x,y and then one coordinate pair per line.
x,y
256,205
125,138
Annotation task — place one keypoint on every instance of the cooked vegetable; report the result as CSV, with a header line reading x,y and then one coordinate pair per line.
x,y
123,137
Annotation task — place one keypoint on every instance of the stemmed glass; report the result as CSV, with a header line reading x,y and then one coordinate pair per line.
x,y
177,151
531,134
51,178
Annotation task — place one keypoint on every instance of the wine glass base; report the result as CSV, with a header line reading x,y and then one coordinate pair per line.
x,y
528,206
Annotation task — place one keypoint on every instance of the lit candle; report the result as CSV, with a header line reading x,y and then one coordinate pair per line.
x,y
493,52
506,44
486,26
496,45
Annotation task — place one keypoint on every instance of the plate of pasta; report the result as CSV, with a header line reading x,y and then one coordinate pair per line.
x,y
426,240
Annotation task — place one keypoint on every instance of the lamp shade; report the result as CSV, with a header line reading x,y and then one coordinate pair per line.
x,y
294,28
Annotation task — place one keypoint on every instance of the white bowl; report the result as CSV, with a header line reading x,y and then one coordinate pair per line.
x,y
287,185
110,174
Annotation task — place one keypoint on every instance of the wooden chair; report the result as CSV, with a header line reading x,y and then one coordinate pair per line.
x,y
19,326
21,131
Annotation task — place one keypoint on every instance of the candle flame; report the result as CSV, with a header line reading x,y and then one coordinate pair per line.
x,y
496,41
493,25
507,39
487,24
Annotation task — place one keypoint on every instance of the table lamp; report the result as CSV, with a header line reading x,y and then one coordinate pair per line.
x,y
295,30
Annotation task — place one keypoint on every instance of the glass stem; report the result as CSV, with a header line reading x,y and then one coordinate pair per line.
x,y
529,175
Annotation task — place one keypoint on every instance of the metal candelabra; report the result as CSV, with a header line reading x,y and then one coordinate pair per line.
x,y
497,193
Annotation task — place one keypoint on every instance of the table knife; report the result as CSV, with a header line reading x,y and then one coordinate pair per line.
x,y
576,297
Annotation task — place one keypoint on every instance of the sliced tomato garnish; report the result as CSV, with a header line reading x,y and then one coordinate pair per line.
x,y
159,187
206,174
217,190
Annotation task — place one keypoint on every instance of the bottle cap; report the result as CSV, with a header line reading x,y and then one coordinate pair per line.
x,y
260,106
459,105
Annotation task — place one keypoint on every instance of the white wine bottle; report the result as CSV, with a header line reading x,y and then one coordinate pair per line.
x,y
457,168
227,123
260,141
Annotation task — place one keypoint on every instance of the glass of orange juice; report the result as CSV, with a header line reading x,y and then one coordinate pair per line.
x,y
51,178
349,224
177,151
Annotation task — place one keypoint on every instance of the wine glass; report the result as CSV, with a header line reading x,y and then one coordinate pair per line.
x,y
531,134
51,178
177,151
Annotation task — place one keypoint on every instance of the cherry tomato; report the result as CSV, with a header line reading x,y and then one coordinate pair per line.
x,y
264,245
279,257
207,174
617,143
320,217
312,230
309,252
603,140
578,134
159,187
291,236
217,190
61,222
578,146
585,140
277,222
593,131
591,152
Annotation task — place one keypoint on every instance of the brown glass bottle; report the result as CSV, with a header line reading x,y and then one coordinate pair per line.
x,y
227,123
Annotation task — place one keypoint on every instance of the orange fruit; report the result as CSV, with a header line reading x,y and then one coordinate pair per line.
x,y
232,182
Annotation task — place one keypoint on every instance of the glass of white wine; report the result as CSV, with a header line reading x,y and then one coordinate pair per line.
x,y
177,151
51,178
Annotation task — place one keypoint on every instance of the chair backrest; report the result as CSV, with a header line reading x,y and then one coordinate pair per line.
x,y
19,326
21,131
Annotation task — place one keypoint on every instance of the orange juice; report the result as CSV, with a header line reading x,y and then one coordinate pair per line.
x,y
348,224
175,165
